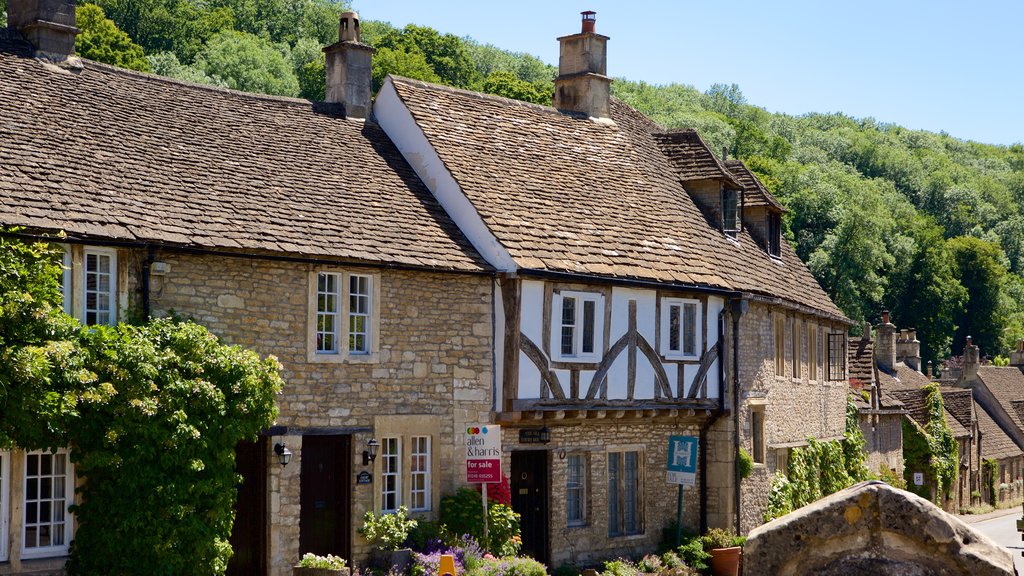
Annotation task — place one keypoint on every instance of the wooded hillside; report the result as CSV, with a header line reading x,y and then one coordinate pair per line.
x,y
924,224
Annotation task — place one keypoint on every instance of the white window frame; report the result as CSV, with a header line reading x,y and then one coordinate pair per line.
x,y
415,472
579,492
666,328
367,316
325,313
387,472
5,495
69,493
577,354
84,289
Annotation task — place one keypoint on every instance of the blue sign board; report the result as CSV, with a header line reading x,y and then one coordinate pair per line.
x,y
682,460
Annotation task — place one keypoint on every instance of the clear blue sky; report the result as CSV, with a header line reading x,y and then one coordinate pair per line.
x,y
938,65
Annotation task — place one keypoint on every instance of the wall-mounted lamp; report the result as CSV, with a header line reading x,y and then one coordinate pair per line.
x,y
370,454
284,455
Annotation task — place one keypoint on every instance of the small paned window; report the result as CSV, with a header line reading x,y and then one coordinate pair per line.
x,y
730,212
681,328
625,508
774,235
795,339
819,346
837,356
391,474
780,345
813,358
100,288
575,490
328,299
578,332
359,314
757,434
46,527
419,473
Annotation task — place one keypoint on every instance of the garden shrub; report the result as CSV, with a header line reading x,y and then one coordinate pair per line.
x,y
692,552
989,468
508,566
387,531
461,513
650,564
746,464
619,567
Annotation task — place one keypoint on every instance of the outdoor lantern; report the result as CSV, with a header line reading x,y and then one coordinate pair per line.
x,y
284,455
370,454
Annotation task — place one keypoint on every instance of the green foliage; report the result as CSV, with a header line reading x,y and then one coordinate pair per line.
x,y
746,463
101,40
462,513
619,567
249,63
387,531
931,450
445,54
717,538
780,497
410,64
989,470
329,562
508,85
167,64
691,552
980,268
509,566
891,477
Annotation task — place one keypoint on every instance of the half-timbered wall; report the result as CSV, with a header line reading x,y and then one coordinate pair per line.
x,y
630,363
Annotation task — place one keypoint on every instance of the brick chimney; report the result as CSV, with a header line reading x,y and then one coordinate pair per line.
x,y
885,343
972,360
349,78
582,84
908,348
1017,355
48,24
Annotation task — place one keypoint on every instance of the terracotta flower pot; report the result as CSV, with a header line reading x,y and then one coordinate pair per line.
x,y
725,561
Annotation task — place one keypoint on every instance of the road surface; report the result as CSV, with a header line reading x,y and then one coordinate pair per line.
x,y
1004,531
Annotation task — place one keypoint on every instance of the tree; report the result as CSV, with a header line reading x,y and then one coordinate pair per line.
x,y
167,64
101,40
400,63
249,63
979,266
506,84
446,54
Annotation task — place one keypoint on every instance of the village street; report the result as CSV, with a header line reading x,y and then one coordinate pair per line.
x,y
1003,530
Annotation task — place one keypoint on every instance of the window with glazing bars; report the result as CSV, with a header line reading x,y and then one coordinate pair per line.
x,y
359,314
780,345
774,235
391,474
730,211
578,326
625,511
419,473
45,527
328,298
575,490
837,356
99,288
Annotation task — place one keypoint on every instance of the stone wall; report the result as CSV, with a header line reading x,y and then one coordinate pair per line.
x,y
884,441
434,362
595,439
795,408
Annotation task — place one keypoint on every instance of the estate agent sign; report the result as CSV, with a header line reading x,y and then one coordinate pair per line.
x,y
483,454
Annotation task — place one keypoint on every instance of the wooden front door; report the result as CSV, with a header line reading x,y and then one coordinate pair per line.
x,y
325,520
529,484
249,533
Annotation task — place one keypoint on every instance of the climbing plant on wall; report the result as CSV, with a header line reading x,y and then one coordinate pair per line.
x,y
819,469
930,449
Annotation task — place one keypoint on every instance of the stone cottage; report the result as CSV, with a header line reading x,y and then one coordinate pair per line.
x,y
879,412
644,292
288,227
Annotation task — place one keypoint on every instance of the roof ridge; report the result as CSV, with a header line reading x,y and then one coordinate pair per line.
x,y
478,95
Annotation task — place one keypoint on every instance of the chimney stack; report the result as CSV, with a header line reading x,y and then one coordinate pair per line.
x,y
972,360
349,77
885,343
582,84
1017,355
908,349
48,24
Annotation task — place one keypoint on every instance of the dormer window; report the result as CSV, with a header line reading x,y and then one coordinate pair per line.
x,y
730,211
774,235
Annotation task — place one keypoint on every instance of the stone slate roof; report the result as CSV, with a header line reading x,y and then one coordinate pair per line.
x,y
915,403
1007,385
754,192
691,158
105,153
902,378
861,364
567,194
994,441
959,402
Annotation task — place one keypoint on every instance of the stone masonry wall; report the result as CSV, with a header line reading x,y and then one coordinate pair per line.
x,y
591,541
795,408
884,443
434,361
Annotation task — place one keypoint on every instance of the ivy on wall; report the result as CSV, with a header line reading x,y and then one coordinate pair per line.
x,y
989,468
931,450
819,469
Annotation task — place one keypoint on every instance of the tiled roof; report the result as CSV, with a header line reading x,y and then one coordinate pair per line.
x,y
754,192
861,362
567,194
960,403
107,153
902,378
994,442
691,158
1007,385
915,402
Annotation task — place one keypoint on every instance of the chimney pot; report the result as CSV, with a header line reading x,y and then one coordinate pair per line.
x,y
589,21
349,77
885,316
348,27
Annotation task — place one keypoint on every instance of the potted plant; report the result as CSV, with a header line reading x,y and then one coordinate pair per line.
x,y
386,533
724,548
313,565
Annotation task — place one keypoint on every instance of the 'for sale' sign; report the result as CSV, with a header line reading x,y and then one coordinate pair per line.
x,y
483,454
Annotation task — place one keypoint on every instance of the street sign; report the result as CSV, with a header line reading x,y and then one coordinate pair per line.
x,y
682,460
483,454
918,478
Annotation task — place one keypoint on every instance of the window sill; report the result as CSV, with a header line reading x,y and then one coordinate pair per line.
x,y
343,358
636,536
577,525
